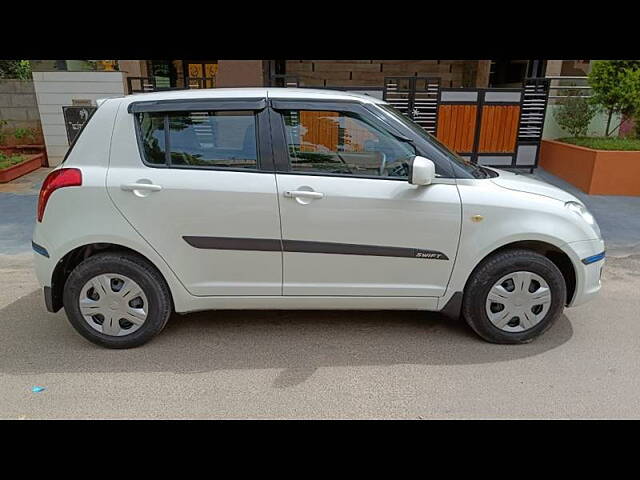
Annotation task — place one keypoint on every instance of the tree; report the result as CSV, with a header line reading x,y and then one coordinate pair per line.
x,y
574,113
15,69
615,88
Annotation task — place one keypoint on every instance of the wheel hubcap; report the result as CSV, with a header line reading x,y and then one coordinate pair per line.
x,y
518,301
113,304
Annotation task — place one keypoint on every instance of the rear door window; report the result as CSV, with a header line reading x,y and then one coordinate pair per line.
x,y
203,139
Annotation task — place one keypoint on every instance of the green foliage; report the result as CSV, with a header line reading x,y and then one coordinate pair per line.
x,y
574,113
615,87
25,134
9,160
604,143
20,69
636,126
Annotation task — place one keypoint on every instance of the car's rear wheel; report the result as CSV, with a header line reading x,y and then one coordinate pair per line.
x,y
514,296
117,300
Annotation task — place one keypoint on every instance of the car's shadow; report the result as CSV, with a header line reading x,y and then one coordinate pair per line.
x,y
298,342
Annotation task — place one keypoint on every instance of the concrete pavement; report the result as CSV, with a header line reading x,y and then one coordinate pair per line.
x,y
254,364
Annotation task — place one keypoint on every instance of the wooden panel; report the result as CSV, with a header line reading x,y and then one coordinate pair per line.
x,y
457,126
499,128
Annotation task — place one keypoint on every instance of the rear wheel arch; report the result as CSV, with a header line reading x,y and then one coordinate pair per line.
x,y
73,258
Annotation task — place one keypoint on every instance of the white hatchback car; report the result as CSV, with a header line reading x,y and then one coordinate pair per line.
x,y
272,198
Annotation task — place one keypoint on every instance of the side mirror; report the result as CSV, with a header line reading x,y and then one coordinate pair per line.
x,y
422,171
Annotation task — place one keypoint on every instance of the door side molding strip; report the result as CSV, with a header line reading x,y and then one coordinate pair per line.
x,y
304,246
234,243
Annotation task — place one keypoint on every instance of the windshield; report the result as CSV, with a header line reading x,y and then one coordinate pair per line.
x,y
470,168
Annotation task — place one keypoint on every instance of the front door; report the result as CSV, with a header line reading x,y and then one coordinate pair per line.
x,y
351,223
196,189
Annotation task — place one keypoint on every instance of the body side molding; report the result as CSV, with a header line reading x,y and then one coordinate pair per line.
x,y
304,246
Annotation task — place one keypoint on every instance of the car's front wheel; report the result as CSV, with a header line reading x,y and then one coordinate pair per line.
x,y
514,296
117,300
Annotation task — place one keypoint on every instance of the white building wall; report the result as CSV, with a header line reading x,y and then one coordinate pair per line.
x,y
57,89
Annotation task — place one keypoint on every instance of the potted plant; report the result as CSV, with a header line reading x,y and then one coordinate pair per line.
x,y
599,165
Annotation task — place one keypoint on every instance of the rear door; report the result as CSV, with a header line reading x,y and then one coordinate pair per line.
x,y
352,225
196,180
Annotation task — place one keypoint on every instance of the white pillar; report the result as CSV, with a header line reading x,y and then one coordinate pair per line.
x,y
57,89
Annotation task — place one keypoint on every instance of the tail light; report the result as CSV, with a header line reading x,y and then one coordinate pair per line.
x,y
64,177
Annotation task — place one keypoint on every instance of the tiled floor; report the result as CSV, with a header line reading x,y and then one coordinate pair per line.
x,y
26,185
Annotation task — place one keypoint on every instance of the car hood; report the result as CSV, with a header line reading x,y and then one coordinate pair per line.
x,y
522,183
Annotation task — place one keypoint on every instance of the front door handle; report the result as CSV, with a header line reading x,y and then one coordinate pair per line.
x,y
129,187
303,194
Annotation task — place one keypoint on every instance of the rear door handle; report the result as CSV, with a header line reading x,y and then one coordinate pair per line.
x,y
129,187
303,194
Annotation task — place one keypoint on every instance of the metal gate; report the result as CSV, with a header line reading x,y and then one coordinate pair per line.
x,y
416,97
499,127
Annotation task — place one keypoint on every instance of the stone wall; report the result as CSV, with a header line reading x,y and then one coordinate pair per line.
x,y
340,73
18,104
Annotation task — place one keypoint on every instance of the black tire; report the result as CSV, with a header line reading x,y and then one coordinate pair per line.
x,y
493,269
137,269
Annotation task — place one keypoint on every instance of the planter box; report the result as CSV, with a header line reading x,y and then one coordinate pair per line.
x,y
33,162
596,172
27,150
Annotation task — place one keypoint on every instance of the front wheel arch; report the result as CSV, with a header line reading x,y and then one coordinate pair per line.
x,y
553,253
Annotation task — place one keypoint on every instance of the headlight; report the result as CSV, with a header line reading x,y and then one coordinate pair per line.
x,y
582,211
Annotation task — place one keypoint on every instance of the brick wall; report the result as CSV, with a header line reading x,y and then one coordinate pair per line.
x,y
323,73
18,104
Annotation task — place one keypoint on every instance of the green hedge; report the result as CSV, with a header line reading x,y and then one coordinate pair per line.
x,y
604,143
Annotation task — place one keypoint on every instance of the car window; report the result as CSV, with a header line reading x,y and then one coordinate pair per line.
x,y
343,143
152,137
222,139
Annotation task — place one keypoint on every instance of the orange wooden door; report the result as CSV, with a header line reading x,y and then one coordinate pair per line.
x,y
499,128
457,127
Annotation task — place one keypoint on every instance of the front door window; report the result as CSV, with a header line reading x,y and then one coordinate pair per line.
x,y
345,144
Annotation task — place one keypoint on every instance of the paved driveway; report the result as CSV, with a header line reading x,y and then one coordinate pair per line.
x,y
268,364
18,203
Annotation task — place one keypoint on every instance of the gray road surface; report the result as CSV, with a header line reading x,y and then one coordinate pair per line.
x,y
322,364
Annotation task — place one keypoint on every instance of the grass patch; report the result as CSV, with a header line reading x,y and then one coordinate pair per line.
x,y
10,160
604,143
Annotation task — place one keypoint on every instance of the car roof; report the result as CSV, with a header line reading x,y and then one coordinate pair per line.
x,y
264,92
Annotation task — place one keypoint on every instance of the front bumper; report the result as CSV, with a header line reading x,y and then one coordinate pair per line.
x,y
588,262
